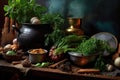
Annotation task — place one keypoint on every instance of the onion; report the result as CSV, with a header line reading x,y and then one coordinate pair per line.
x,y
35,20
8,46
109,67
15,41
117,62
31,20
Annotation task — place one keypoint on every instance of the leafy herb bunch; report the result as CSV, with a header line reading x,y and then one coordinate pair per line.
x,y
82,45
93,46
69,43
57,22
23,10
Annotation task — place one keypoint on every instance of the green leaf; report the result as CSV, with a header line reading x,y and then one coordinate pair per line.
x,y
6,8
18,1
10,2
23,10
10,53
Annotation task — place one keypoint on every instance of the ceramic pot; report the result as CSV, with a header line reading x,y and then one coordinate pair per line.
x,y
32,35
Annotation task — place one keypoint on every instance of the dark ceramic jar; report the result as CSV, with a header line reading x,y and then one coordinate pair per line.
x,y
32,35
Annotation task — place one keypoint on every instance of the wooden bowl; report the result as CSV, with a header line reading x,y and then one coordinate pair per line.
x,y
10,58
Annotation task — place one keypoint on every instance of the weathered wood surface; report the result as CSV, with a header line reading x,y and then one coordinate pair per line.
x,y
55,73
8,34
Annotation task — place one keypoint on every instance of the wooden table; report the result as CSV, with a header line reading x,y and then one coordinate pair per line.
x,y
30,73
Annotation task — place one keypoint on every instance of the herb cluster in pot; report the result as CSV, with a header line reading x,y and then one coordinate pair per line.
x,y
87,52
82,45
65,44
93,46
34,22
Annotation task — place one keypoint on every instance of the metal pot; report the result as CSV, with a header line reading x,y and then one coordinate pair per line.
x,y
36,58
80,60
32,35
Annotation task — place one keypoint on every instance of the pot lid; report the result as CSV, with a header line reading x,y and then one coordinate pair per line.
x,y
110,38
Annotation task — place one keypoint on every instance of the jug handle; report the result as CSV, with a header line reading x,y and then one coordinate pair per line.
x,y
15,28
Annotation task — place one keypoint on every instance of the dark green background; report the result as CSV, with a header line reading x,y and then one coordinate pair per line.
x,y
96,15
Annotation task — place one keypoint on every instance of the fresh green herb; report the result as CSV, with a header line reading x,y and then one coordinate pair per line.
x,y
100,64
57,21
93,46
88,47
68,43
54,37
23,10
10,53
43,64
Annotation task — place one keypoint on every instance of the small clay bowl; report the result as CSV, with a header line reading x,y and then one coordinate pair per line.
x,y
10,58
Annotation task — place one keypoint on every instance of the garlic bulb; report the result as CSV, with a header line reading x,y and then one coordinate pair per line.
x,y
8,46
109,67
31,20
35,20
15,41
117,62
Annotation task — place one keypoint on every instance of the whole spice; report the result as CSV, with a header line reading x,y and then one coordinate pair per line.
x,y
26,63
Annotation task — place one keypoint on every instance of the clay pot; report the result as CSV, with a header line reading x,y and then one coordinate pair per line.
x,y
32,35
